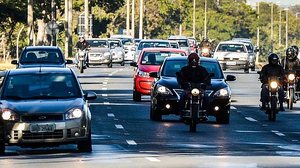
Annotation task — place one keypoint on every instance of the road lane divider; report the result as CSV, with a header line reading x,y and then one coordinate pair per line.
x,y
110,115
119,126
131,142
152,159
250,119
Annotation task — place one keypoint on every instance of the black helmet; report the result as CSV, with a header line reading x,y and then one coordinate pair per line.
x,y
296,48
193,59
291,53
273,59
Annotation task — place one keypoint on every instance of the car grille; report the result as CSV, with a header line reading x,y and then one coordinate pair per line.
x,y
57,134
178,91
41,117
95,55
231,59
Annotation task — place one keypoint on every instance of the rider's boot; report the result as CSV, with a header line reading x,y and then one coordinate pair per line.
x,y
263,106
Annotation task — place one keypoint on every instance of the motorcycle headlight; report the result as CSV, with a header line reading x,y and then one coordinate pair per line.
x,y
224,92
74,114
195,92
143,74
9,115
205,50
164,90
291,77
274,84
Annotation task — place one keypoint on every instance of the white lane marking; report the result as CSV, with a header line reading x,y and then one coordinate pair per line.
x,y
106,78
110,74
295,140
152,159
250,119
131,142
232,108
104,88
279,134
110,115
249,131
104,83
104,95
119,126
106,103
274,131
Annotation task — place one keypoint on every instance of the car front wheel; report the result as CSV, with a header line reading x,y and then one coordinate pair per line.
x,y
2,148
154,114
136,96
85,146
223,118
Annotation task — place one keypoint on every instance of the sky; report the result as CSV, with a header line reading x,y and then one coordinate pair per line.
x,y
285,3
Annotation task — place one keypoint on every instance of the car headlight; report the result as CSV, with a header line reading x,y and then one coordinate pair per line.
x,y
224,92
9,115
163,90
291,77
274,84
143,74
106,53
74,114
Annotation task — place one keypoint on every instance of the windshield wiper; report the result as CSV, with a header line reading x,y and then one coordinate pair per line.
x,y
14,97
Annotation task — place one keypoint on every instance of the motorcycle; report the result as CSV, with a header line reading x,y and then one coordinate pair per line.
x,y
81,58
272,105
195,112
291,89
206,52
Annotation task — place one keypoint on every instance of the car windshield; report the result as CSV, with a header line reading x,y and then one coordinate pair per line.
x,y
172,66
157,58
231,48
249,47
115,43
182,42
41,86
127,41
51,56
158,44
98,43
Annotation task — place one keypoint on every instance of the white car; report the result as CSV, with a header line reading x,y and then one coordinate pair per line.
x,y
129,46
232,55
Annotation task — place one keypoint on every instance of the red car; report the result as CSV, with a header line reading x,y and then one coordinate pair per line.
x,y
150,60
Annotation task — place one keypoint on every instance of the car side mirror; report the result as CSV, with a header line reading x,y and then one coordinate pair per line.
x,y
69,62
15,62
153,74
134,64
230,78
90,96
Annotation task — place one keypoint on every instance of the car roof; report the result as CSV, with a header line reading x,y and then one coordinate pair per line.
x,y
185,58
101,39
41,47
177,37
34,70
153,40
232,42
120,36
164,49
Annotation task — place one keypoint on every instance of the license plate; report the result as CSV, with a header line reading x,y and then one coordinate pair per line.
x,y
37,128
230,63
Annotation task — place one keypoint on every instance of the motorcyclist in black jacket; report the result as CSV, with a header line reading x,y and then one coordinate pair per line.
x,y
82,44
273,69
192,73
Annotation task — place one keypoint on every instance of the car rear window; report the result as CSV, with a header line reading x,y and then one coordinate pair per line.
x,y
98,43
148,44
42,56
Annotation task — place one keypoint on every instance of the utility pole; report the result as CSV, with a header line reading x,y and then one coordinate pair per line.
x,y
141,20
86,19
68,27
180,25
205,19
132,20
53,21
127,18
258,31
194,18
286,28
30,22
279,35
272,27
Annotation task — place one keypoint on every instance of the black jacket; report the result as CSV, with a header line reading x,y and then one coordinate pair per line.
x,y
82,45
189,74
291,65
271,71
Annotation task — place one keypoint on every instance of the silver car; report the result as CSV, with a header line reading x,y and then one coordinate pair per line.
x,y
117,50
44,106
99,52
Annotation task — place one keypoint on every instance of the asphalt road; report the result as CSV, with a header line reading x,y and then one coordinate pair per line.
x,y
124,136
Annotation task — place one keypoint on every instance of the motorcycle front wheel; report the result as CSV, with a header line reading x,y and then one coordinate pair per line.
x,y
81,66
291,98
273,110
193,123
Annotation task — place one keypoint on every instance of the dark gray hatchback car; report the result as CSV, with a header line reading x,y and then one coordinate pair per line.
x,y
50,56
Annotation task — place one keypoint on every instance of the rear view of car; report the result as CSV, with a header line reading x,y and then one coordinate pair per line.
x,y
129,45
117,51
183,42
99,52
45,56
150,60
232,55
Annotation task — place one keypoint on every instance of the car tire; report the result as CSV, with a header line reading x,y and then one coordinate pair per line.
x,y
85,146
109,65
246,70
222,118
154,114
2,148
136,96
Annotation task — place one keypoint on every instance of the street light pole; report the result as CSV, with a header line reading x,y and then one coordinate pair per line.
x,y
194,18
86,18
127,18
286,28
132,19
272,26
257,41
205,19
141,20
279,35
